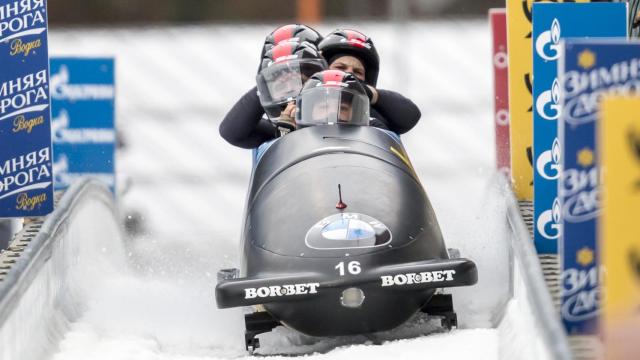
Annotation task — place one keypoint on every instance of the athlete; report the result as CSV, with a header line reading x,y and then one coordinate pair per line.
x,y
245,125
333,97
283,71
354,52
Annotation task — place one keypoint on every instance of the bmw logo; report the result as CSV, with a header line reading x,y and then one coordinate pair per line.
x,y
347,231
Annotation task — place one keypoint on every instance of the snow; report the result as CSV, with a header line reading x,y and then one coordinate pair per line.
x,y
163,308
138,318
189,186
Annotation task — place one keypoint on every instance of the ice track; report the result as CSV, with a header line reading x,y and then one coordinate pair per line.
x,y
151,296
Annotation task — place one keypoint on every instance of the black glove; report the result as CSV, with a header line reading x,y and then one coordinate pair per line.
x,y
367,89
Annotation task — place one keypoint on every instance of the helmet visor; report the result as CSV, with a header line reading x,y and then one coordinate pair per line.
x,y
282,82
332,105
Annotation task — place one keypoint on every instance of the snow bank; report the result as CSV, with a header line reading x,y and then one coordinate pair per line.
x,y
530,327
45,289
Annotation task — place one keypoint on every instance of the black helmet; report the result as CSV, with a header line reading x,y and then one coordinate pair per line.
x,y
291,32
283,71
353,43
332,97
296,32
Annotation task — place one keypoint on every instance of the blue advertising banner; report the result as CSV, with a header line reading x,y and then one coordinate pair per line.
x,y
25,130
82,125
590,69
551,23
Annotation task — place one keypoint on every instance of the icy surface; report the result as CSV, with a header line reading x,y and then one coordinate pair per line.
x,y
174,86
134,317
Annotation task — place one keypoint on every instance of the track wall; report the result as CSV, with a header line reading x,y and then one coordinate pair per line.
x,y
40,290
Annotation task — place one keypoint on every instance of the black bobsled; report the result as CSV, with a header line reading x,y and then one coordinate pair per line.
x,y
340,238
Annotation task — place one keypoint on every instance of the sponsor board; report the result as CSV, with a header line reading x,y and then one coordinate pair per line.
x,y
82,125
589,70
551,23
498,19
519,27
25,155
619,139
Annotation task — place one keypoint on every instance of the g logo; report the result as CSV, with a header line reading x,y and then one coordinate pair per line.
x,y
550,39
548,224
547,103
548,163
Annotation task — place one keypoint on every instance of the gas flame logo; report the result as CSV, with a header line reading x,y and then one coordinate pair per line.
x,y
555,151
548,223
555,31
548,163
555,91
548,43
547,104
556,210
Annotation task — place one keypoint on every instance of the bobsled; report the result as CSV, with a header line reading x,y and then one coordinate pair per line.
x,y
339,238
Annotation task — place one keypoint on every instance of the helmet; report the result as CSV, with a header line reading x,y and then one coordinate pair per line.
x,y
353,43
283,71
291,32
296,32
330,97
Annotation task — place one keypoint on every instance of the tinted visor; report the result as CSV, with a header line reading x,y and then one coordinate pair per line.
x,y
282,82
332,105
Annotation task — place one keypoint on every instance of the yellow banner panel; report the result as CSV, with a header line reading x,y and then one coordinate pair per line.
x,y
619,136
520,56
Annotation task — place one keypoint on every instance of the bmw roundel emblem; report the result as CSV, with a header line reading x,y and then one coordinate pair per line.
x,y
347,231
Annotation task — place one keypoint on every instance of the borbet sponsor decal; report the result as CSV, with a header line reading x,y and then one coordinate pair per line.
x,y
418,278
281,290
